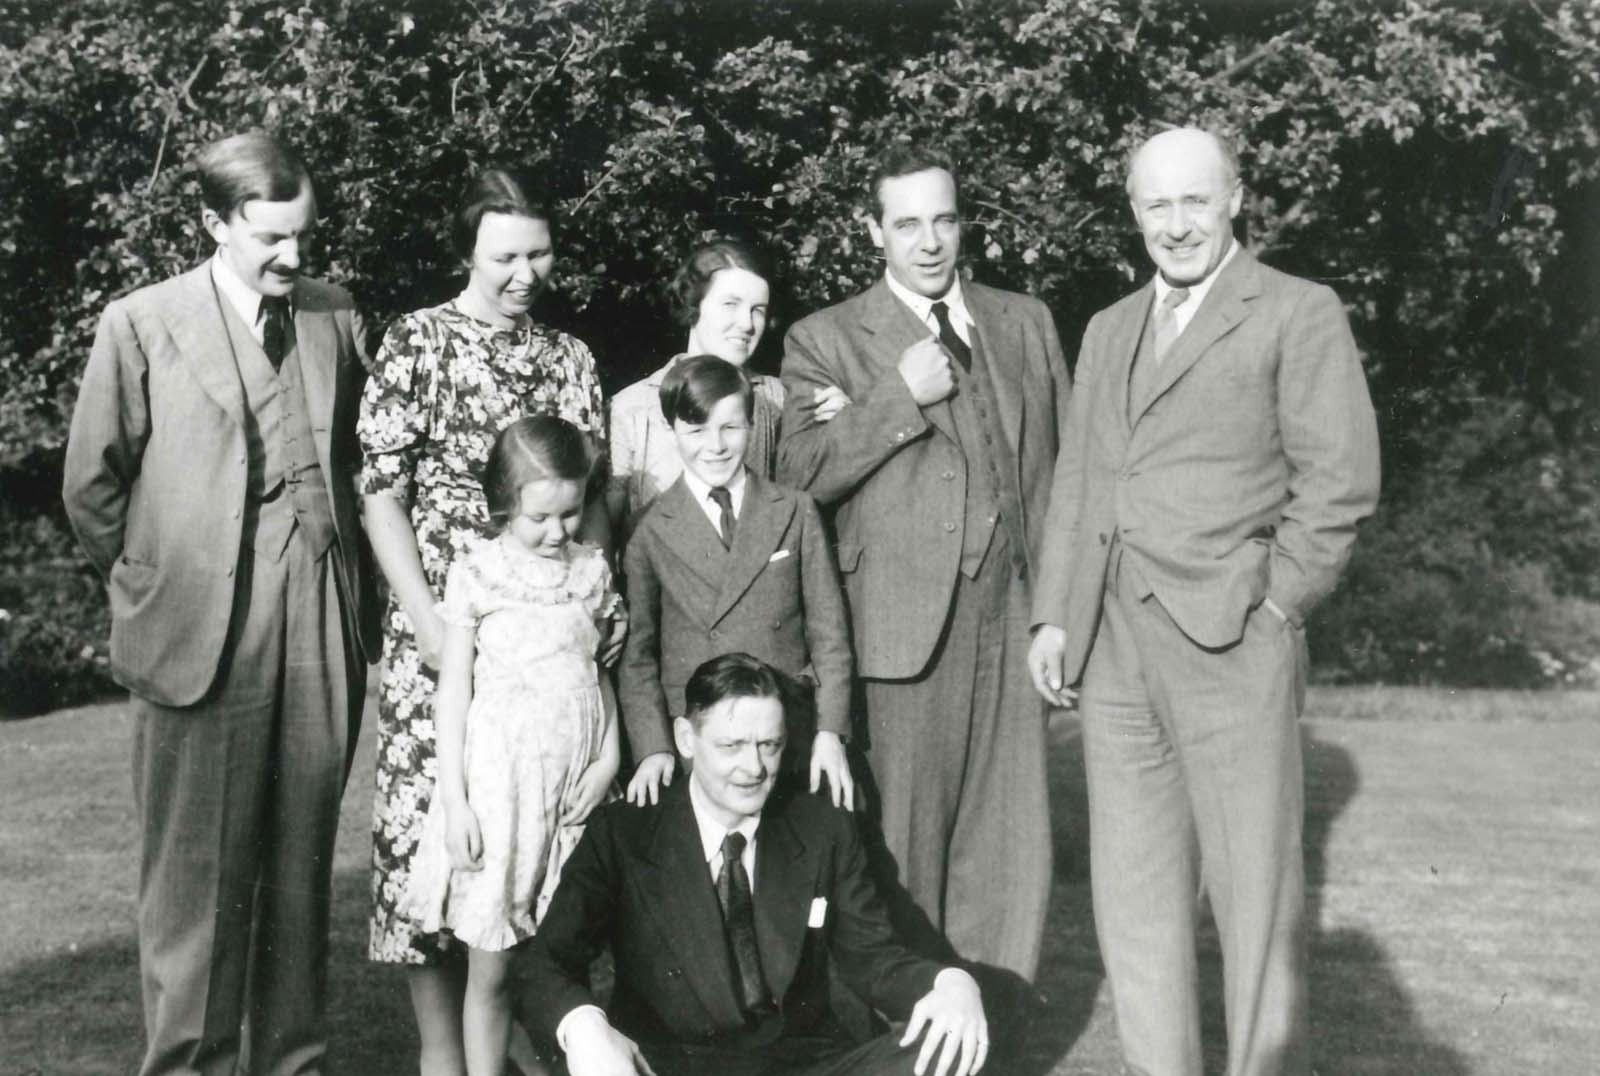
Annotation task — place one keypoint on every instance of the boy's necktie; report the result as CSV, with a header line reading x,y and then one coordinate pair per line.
x,y
724,502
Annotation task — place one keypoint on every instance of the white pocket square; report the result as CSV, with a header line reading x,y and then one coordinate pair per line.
x,y
819,912
779,555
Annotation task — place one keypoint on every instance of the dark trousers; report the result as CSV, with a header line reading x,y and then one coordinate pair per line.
x,y
958,760
238,800
796,1056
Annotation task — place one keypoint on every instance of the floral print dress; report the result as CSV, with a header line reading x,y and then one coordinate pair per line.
x,y
443,386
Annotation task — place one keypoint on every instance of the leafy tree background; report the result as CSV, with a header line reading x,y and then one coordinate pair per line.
x,y
1437,163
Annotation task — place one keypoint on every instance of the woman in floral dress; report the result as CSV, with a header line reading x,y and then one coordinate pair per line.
x,y
447,380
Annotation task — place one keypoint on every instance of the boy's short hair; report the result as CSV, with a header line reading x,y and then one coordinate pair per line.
x,y
245,168
694,386
733,676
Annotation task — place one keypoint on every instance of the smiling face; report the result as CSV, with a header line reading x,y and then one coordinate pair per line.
x,y
735,746
713,450
919,230
263,242
1185,198
511,261
732,317
548,513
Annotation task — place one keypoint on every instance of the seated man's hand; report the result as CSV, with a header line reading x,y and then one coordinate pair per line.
x,y
652,775
595,1048
952,1014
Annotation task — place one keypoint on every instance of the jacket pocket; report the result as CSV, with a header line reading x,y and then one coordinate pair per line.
x,y
849,554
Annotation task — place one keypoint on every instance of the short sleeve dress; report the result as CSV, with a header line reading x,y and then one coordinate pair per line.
x,y
535,724
443,386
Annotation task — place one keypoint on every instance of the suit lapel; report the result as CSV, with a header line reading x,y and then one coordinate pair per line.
x,y
686,908
1225,305
316,340
763,519
688,534
1125,333
784,885
1000,335
895,328
201,335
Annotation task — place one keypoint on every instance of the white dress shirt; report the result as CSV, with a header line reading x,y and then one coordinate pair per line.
x,y
922,306
701,492
712,833
244,299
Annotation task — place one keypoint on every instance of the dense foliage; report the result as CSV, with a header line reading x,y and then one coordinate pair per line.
x,y
1437,163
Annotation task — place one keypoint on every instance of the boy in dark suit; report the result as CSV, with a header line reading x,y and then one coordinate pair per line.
x,y
723,561
724,906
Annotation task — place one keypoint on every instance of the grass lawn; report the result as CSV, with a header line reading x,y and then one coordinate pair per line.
x,y
1453,850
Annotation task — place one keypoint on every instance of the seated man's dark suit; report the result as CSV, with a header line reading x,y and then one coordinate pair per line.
x,y
638,883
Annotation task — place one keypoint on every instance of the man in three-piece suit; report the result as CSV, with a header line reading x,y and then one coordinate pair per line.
x,y
208,476
723,906
938,476
1223,452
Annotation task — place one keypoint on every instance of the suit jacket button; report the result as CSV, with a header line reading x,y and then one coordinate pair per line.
x,y
950,528
948,476
714,634
1103,538
901,436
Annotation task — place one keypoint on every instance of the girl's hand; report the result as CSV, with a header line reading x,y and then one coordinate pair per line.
x,y
589,793
429,629
828,757
463,838
616,634
829,401
654,773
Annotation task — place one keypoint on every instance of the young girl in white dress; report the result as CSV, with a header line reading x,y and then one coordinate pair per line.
x,y
527,729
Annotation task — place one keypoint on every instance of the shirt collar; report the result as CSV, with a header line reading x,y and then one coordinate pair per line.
x,y
1197,292
244,299
702,491
922,306
711,831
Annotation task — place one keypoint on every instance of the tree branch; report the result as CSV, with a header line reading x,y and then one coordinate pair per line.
x,y
1252,58
178,98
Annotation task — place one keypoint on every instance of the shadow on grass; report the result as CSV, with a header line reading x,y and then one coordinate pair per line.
x,y
78,1014
1363,1020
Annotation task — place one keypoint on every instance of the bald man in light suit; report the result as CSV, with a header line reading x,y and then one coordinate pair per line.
x,y
1223,451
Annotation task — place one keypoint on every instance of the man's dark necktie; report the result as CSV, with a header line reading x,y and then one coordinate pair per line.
x,y
739,923
947,336
724,502
276,330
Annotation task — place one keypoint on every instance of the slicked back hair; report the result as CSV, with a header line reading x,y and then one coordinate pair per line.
x,y
904,159
694,386
248,167
731,676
